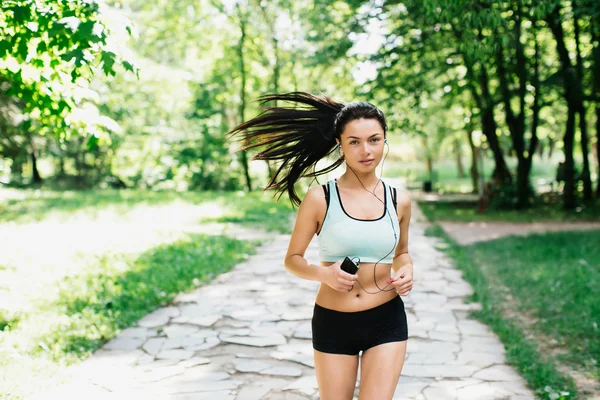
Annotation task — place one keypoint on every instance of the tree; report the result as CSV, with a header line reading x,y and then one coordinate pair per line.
x,y
47,51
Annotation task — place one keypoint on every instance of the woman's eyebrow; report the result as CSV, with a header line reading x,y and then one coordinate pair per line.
x,y
354,137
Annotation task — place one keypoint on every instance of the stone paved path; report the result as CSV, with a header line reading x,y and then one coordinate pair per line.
x,y
247,336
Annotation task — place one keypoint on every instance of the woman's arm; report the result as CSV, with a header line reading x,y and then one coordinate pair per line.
x,y
310,213
403,264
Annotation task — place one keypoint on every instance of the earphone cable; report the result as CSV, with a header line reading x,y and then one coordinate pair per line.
x,y
391,223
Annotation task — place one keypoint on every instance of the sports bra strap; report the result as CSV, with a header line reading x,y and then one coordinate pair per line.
x,y
326,191
394,201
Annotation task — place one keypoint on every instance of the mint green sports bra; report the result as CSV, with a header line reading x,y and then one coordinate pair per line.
x,y
367,239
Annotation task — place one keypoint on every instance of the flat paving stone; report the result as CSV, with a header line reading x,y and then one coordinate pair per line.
x,y
257,341
252,392
306,384
124,343
177,330
247,335
204,320
252,366
194,361
159,317
154,345
218,395
175,354
303,359
139,332
282,371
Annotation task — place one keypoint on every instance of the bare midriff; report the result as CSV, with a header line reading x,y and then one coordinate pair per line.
x,y
357,299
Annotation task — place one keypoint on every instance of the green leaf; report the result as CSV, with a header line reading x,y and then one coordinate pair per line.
x,y
92,142
69,55
22,49
21,14
42,47
85,32
128,66
36,62
108,62
4,47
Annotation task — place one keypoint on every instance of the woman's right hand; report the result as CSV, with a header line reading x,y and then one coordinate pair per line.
x,y
339,280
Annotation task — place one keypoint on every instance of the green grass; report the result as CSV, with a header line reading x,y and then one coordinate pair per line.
x,y
555,277
256,209
110,292
535,290
466,211
117,290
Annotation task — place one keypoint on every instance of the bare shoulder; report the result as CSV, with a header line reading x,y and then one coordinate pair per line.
x,y
403,198
315,199
312,208
402,202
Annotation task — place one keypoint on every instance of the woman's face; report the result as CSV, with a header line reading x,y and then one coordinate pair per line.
x,y
362,144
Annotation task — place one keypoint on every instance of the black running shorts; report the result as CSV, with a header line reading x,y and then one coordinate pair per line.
x,y
349,333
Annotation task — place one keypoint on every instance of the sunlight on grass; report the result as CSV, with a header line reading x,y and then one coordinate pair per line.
x,y
522,349
554,278
82,265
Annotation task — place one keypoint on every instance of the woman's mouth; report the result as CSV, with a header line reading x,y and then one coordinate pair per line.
x,y
366,162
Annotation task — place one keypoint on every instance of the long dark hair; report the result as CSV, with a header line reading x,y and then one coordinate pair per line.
x,y
300,136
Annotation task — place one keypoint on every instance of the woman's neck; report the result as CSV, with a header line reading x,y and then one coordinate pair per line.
x,y
354,180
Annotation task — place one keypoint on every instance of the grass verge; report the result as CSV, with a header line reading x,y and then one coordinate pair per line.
x,y
110,294
254,209
492,274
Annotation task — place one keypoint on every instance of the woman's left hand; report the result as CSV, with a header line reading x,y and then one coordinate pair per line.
x,y
403,280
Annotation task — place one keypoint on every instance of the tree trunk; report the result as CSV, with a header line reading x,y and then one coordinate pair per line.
x,y
598,151
474,155
516,122
428,160
585,173
16,168
61,165
535,108
570,200
459,164
501,172
485,104
242,110
524,167
595,29
571,93
36,178
523,193
276,68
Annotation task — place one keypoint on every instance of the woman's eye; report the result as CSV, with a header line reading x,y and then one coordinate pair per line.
x,y
354,142
376,140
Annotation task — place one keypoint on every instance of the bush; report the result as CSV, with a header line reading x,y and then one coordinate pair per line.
x,y
505,196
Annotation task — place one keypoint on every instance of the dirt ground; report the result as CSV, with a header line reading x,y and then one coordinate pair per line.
x,y
471,232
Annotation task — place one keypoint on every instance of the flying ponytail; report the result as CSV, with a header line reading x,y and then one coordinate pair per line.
x,y
300,136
